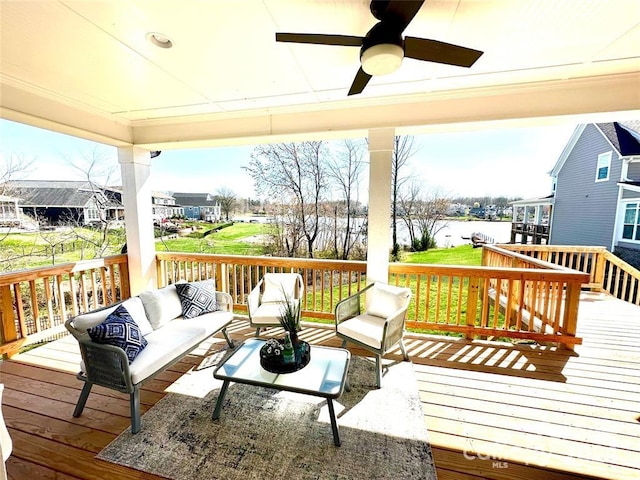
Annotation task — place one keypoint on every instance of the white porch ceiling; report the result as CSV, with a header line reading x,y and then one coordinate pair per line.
x,y
85,68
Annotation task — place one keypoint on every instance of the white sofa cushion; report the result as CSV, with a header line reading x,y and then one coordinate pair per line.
x,y
364,328
175,338
162,305
384,300
134,307
279,286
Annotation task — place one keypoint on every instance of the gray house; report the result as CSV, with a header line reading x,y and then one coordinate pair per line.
x,y
63,201
199,206
596,184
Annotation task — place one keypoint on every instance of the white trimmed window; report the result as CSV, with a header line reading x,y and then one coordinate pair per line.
x,y
604,165
631,223
92,214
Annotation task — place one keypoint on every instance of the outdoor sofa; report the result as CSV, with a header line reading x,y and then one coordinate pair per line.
x,y
126,344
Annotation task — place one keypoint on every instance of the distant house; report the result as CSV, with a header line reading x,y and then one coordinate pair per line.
x,y
596,183
199,206
164,206
9,211
59,202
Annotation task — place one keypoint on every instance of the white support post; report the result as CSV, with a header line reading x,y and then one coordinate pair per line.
x,y
381,143
539,213
135,166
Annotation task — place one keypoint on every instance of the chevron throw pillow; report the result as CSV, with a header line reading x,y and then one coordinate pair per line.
x,y
197,298
120,330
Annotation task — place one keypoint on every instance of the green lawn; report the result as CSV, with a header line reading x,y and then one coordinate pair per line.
x,y
237,239
462,255
231,240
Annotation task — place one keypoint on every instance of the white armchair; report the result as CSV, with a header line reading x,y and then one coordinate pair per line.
x,y
377,327
266,300
5,440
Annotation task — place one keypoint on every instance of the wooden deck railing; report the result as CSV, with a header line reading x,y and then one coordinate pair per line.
x,y
35,303
542,302
607,273
326,281
525,303
513,295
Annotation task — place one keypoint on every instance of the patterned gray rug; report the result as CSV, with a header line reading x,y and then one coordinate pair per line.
x,y
264,434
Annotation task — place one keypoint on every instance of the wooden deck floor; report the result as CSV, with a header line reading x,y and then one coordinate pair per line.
x,y
493,411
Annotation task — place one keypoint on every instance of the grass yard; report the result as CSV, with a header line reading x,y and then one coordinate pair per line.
x,y
237,239
462,255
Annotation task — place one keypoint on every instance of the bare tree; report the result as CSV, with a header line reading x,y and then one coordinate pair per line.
x,y
286,234
94,167
345,169
403,150
423,213
293,173
227,199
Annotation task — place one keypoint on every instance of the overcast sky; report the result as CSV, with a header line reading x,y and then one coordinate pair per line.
x,y
512,163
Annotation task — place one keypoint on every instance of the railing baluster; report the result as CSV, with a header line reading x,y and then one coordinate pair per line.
x,y
35,308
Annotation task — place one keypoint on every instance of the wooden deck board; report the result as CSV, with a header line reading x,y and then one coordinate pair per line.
x,y
494,410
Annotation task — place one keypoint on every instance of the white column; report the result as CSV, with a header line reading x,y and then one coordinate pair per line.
x,y
135,167
381,142
539,213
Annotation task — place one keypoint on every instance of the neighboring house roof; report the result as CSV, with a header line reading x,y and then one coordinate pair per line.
x,y
64,193
548,200
631,186
195,199
624,137
161,195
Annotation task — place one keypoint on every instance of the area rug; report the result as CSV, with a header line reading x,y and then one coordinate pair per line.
x,y
265,434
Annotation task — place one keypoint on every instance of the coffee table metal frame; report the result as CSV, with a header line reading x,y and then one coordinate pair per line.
x,y
325,376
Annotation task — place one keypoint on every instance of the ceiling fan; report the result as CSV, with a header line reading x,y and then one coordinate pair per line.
x,y
383,48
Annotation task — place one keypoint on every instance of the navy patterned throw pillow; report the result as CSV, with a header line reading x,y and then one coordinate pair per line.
x,y
120,330
197,298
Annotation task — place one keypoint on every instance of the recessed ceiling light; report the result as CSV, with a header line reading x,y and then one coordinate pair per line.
x,y
159,40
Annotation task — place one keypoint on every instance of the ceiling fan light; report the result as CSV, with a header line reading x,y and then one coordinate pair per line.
x,y
382,59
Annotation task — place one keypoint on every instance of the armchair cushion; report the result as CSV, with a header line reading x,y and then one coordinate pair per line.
x,y
119,330
384,300
197,298
268,314
278,287
367,329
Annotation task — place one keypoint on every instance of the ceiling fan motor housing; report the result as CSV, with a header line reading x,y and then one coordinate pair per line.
x,y
382,50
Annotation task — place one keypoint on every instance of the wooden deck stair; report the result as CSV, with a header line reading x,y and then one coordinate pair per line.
x,y
493,410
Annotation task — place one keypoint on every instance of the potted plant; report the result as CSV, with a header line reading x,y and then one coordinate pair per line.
x,y
290,317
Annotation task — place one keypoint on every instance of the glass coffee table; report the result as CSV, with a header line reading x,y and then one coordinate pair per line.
x,y
325,375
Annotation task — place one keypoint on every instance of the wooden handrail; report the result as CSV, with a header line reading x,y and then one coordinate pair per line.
x,y
533,303
35,303
517,296
607,273
460,305
326,281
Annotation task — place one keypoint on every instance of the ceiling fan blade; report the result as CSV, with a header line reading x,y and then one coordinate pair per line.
x,y
361,80
440,52
320,39
400,12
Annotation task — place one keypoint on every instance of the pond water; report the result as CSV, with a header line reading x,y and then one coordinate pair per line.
x,y
450,236
453,231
